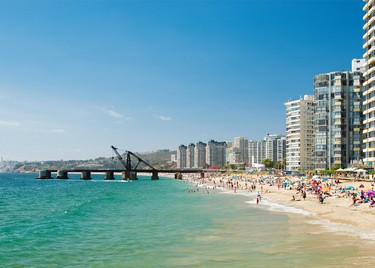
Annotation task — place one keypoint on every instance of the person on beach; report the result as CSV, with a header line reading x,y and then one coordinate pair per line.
x,y
321,198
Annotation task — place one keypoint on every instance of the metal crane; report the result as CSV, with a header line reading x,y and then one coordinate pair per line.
x,y
128,164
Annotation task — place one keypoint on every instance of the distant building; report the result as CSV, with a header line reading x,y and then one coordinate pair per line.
x,y
253,152
358,65
200,155
181,156
190,155
242,144
300,134
216,153
233,155
275,147
272,147
173,158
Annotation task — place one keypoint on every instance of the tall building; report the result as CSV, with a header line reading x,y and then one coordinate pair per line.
x,y
281,149
300,134
369,84
216,153
338,119
190,155
257,151
242,144
200,155
233,155
253,152
275,147
181,156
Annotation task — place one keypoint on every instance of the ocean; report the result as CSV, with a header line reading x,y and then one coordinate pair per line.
x,y
145,223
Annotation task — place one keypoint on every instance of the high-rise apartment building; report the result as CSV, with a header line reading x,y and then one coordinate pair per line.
x,y
190,155
369,84
200,155
272,148
253,152
300,134
281,149
181,156
337,119
242,144
216,153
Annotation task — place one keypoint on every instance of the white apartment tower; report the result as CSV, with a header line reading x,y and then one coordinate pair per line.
x,y
369,84
300,134
274,147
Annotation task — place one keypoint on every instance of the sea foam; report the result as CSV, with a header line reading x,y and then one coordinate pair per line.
x,y
345,229
276,207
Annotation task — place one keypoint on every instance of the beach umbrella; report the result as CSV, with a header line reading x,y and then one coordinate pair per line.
x,y
349,187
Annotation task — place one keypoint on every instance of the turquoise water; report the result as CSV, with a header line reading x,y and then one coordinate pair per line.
x,y
144,223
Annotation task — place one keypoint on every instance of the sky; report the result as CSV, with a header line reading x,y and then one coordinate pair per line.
x,y
79,76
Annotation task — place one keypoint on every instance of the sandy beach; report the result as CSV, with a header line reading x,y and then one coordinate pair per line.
x,y
337,207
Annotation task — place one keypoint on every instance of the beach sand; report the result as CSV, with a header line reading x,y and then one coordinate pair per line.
x,y
336,210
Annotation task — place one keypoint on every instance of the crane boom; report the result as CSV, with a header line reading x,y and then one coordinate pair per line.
x,y
120,158
127,164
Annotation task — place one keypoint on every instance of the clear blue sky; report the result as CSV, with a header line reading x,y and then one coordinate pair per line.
x,y
79,76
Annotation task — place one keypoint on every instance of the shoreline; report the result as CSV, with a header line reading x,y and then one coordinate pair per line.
x,y
337,212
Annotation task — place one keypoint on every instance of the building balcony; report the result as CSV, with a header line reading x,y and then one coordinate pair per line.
x,y
369,81
368,23
369,41
368,13
372,59
368,4
370,90
372,109
372,69
367,150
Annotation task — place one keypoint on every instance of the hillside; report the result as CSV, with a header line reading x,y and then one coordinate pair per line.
x,y
160,159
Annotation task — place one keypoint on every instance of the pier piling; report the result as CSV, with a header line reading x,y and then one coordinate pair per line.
x,y
62,175
155,175
44,175
109,175
86,175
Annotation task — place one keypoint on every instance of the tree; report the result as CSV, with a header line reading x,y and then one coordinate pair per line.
x,y
233,167
268,163
278,165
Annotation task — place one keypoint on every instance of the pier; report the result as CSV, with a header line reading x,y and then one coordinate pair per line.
x,y
109,174
129,172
